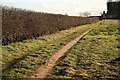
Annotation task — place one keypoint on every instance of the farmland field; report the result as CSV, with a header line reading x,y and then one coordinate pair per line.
x,y
60,40
21,59
95,56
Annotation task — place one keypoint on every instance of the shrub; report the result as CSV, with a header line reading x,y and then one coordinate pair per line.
x,y
21,24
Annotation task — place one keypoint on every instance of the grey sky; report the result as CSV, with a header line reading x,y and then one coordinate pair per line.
x,y
71,7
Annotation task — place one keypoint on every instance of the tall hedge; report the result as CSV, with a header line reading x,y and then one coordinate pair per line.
x,y
21,24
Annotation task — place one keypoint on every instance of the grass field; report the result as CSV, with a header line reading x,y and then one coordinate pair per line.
x,y
110,21
95,56
21,59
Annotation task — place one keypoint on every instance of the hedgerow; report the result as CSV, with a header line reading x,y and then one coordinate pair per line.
x,y
18,24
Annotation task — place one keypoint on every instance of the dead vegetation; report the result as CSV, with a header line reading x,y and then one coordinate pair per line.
x,y
21,24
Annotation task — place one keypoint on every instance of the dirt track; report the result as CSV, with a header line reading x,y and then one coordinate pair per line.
x,y
45,68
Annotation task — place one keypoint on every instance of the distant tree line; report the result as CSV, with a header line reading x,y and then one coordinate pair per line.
x,y
21,24
84,14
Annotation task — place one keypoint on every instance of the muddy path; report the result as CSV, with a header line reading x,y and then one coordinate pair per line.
x,y
45,68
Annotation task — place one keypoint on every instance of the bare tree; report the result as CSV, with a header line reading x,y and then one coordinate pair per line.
x,y
86,14
66,14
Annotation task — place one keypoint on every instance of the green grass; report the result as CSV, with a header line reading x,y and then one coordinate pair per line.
x,y
22,58
95,56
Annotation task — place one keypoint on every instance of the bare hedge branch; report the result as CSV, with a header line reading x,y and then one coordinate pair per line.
x,y
21,24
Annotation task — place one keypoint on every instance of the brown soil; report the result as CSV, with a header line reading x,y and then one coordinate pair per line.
x,y
45,68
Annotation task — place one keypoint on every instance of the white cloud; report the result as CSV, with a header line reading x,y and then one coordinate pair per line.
x,y
43,5
71,7
74,3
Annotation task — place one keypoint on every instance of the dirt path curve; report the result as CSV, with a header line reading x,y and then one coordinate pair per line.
x,y
44,69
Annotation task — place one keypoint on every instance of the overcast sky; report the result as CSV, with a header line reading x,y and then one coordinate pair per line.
x,y
70,7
